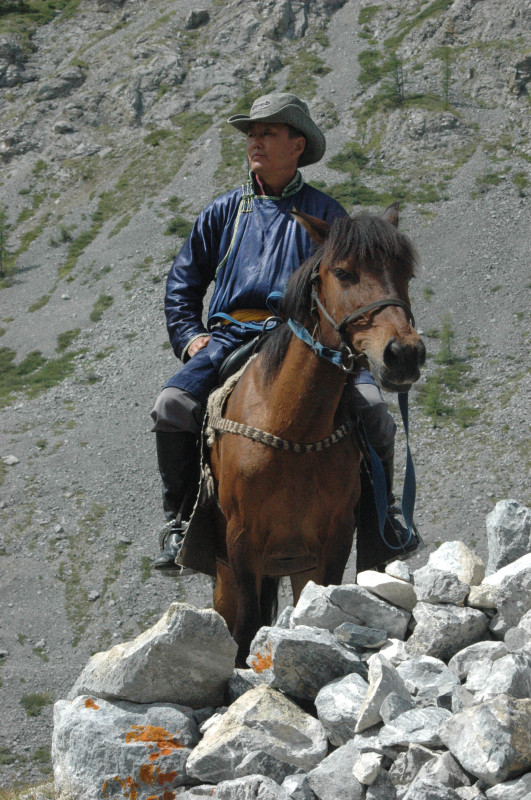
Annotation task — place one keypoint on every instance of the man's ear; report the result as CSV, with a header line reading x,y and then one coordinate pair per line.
x,y
391,214
317,228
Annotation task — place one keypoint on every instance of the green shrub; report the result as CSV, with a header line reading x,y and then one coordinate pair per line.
x,y
34,703
103,302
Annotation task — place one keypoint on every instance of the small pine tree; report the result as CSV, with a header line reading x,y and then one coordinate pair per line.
x,y
6,254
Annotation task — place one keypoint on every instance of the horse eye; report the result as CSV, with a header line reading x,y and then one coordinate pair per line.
x,y
343,276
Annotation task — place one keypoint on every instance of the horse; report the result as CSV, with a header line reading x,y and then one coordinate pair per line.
x,y
285,459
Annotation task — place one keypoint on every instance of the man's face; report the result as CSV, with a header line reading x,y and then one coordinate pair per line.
x,y
272,154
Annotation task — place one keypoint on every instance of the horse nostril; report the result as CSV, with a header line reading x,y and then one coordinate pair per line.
x,y
392,352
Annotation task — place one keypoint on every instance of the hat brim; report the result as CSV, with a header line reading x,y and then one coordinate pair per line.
x,y
294,116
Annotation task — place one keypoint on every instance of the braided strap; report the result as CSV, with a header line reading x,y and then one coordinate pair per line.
x,y
218,423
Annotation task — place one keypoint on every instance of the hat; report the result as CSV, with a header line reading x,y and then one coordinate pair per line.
x,y
286,108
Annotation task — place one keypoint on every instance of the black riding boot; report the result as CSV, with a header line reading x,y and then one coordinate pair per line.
x,y
394,531
177,460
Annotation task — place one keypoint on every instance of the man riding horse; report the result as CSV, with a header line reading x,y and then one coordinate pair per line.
x,y
248,243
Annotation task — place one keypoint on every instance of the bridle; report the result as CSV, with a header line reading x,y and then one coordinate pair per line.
x,y
348,355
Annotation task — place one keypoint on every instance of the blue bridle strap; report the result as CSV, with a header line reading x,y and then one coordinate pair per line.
x,y
333,356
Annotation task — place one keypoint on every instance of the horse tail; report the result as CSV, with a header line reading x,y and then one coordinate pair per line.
x,y
269,600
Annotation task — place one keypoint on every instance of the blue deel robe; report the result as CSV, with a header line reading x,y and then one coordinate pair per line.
x,y
249,244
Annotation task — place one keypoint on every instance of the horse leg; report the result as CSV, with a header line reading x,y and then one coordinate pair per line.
x,y
335,555
248,583
299,581
225,601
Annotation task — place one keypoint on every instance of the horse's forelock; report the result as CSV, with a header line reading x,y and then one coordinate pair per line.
x,y
371,242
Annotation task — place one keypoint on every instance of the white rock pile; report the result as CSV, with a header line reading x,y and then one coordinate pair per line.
x,y
400,687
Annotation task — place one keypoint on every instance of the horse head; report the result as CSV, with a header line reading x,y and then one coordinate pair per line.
x,y
360,293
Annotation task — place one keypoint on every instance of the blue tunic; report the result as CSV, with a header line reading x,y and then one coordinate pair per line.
x,y
249,244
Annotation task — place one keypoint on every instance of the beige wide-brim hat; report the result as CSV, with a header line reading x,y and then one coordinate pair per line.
x,y
290,110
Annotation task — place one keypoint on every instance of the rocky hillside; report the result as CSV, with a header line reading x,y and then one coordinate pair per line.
x,y
112,138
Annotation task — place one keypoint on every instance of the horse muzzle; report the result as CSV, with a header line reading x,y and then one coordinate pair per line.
x,y
399,365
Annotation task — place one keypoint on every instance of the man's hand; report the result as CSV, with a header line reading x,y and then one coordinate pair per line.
x,y
198,345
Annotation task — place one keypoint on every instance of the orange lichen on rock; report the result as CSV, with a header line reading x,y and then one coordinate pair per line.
x,y
89,703
129,787
146,773
168,796
166,777
261,662
154,735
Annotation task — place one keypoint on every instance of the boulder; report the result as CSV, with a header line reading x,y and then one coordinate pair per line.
x,y
253,787
435,586
418,726
442,631
367,766
509,571
103,749
297,787
329,606
384,679
491,740
196,19
517,789
508,533
187,657
465,659
394,705
483,596
510,674
61,86
302,660
425,789
425,674
514,600
457,558
394,590
360,637
262,721
407,765
338,705
334,779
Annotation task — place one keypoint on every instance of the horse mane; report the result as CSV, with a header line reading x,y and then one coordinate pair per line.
x,y
367,240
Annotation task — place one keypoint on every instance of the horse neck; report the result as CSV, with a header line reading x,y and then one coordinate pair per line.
x,y
304,396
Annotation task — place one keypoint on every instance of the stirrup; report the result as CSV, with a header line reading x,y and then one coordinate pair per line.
x,y
167,566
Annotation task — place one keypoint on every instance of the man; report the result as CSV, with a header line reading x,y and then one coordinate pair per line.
x,y
249,244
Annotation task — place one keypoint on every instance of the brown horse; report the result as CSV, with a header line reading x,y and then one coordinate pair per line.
x,y
288,501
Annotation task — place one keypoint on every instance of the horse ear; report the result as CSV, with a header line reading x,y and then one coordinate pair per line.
x,y
317,228
391,214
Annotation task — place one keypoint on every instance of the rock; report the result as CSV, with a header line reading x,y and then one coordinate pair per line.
x,y
407,765
441,631
62,126
257,762
333,778
445,771
248,788
302,660
394,705
61,86
187,657
514,600
329,606
398,569
261,721
384,679
491,740
367,767
457,558
395,651
428,675
519,637
419,726
509,571
284,618
510,674
196,19
483,596
338,705
241,681
381,788
394,590
360,637
508,534
10,461
298,788
517,789
465,659
436,586
424,789
99,748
